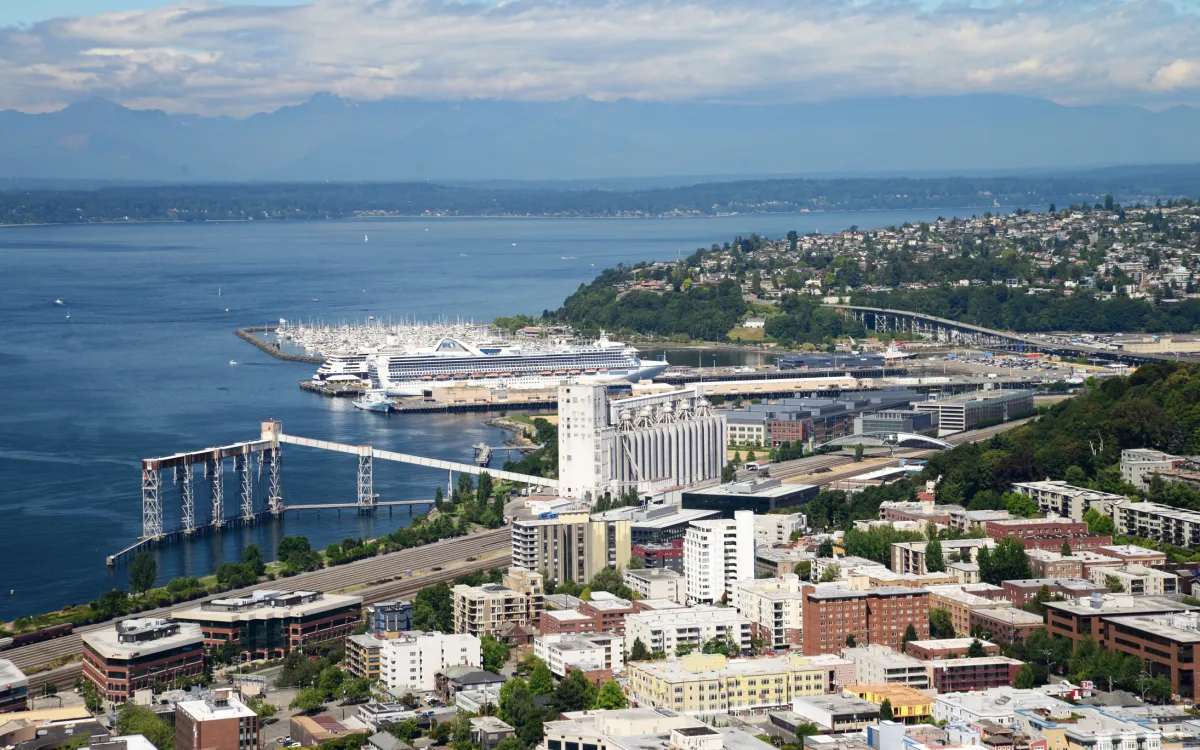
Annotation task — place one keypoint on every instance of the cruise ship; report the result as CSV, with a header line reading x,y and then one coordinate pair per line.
x,y
451,361
344,368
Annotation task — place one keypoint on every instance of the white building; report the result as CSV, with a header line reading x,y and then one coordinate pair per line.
x,y
663,630
1062,499
613,446
1137,579
657,583
770,529
588,652
774,607
411,661
1137,464
876,664
992,704
717,553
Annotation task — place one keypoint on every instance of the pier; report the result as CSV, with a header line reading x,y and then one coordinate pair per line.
x,y
260,461
247,335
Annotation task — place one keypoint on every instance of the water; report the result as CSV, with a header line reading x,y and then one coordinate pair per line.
x,y
142,366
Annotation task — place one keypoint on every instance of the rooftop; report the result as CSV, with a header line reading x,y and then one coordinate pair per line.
x,y
1130,550
651,574
1117,604
222,704
266,604
10,675
835,703
899,695
1010,616
762,488
684,615
879,591
1000,701
1182,627
696,667
972,661
489,724
108,642
566,615
947,643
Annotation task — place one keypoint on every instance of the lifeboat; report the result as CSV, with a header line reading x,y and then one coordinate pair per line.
x,y
477,374
426,377
460,376
493,375
506,374
603,369
560,372
443,377
590,371
546,372
574,372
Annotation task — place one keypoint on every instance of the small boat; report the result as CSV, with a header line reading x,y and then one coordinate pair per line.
x,y
460,376
68,313
283,321
59,302
373,400
574,372
560,372
546,372
589,371
227,309
366,238
426,377
218,291
233,362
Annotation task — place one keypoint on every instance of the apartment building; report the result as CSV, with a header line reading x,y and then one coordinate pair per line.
x,y
1023,590
665,630
774,608
657,583
136,654
1162,523
961,602
909,705
1136,579
270,624
594,654
566,622
608,611
715,554
1132,553
909,557
411,662
772,529
837,617
708,684
1168,644
384,618
876,665
973,673
998,705
219,721
947,648
1005,624
1026,528
1062,499
482,610
572,546
1138,465
364,655
1076,618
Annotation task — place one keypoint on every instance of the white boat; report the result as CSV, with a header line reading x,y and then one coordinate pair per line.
x,y
373,400
233,362
344,367
893,353
68,313
59,302
366,238
505,365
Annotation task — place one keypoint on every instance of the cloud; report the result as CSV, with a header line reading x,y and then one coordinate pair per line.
x,y
212,58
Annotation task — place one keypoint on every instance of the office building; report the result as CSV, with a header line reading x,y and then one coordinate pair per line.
x,y
774,608
1137,580
747,429
1138,465
909,705
759,496
875,664
972,673
909,557
1168,644
1076,618
707,684
657,583
610,447
137,654
836,713
219,721
14,688
715,554
1062,499
1004,624
667,556
270,624
411,661
911,421
597,655
482,610
998,705
775,528
384,618
364,655
836,617
661,523
1161,523
964,412
571,546
947,648
664,630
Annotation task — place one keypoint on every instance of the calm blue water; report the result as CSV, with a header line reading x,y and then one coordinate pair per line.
x,y
142,367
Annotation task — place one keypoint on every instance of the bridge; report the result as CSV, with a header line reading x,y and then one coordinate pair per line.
x,y
883,320
888,439
267,452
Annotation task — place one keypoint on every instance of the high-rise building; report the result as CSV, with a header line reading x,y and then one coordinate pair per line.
x,y
774,608
571,547
217,722
715,554
482,610
612,446
836,617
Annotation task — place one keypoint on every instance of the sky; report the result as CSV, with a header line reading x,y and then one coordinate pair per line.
x,y
238,58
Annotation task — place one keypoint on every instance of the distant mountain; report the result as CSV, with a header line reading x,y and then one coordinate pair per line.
x,y
327,138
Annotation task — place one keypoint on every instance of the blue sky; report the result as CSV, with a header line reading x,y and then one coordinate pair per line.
x,y
241,57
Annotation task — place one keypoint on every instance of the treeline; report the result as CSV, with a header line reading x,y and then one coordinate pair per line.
x,y
1015,310
310,201
704,312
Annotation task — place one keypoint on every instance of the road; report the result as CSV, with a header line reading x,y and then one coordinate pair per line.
x,y
380,578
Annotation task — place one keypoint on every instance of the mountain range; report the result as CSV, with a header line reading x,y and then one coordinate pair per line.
x,y
329,138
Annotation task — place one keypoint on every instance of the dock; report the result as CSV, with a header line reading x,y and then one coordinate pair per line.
x,y
247,335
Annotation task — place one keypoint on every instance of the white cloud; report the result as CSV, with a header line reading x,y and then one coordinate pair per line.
x,y
211,58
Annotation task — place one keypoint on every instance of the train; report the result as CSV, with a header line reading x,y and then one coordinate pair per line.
x,y
37,636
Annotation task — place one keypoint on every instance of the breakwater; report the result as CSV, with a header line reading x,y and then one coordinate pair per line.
x,y
272,348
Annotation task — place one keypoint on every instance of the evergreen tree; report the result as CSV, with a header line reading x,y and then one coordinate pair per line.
x,y
610,697
639,652
976,650
575,693
1025,678
1066,549
143,571
541,682
438,498
910,634
885,710
934,562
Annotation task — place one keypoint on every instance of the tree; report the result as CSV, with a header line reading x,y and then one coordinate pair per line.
x,y
541,682
728,473
1007,562
143,572
976,649
406,730
438,497
885,710
261,707
610,697
1114,584
91,697
1098,523
639,652
636,563
940,623
1020,505
495,653
803,569
910,634
1066,549
807,729
575,693
229,652
309,700
1025,678
934,562
850,641
858,453
830,573
252,557
825,548
134,719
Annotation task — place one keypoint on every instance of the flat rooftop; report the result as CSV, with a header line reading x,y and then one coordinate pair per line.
x,y
659,604
106,642
836,704
566,615
265,605
1130,550
650,574
684,516
9,674
972,661
1120,604
1181,628
780,490
215,707
1010,616
952,643
674,670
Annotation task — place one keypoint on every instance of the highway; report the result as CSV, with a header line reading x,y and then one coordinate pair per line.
x,y
381,578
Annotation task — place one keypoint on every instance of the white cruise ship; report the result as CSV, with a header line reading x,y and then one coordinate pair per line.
x,y
344,368
451,361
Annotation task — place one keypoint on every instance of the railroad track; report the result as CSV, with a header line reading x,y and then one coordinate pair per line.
x,y
380,570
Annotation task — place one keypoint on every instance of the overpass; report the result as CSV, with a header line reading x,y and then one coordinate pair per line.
x,y
888,439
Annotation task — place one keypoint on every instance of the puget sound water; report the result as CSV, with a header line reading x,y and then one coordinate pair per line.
x,y
141,367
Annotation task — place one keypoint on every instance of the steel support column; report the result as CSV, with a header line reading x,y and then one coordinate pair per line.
x,y
187,497
241,464
151,503
216,471
274,459
366,491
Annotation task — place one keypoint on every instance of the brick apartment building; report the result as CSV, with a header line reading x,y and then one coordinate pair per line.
x,y
217,722
875,616
967,674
